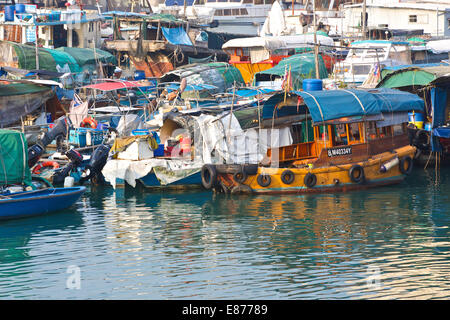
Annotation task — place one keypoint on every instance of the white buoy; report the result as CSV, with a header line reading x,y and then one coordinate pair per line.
x,y
69,182
389,165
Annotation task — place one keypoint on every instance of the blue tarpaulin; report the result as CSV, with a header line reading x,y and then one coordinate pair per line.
x,y
442,132
334,104
439,103
176,36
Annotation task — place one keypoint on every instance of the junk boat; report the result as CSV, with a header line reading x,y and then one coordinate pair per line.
x,y
340,140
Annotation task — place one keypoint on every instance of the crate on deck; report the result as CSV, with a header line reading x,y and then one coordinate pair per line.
x,y
83,137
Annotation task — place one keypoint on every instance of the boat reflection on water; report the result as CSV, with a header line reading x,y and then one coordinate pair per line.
x,y
16,235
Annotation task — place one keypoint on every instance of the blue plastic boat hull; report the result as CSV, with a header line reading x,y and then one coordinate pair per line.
x,y
33,203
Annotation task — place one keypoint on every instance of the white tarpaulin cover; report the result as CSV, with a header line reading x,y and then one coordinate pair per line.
x,y
130,170
232,145
439,46
279,42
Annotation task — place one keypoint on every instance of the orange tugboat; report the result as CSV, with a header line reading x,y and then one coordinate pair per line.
x,y
340,140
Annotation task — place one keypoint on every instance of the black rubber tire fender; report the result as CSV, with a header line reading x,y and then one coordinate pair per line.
x,y
264,180
356,174
403,161
310,180
240,176
209,176
287,177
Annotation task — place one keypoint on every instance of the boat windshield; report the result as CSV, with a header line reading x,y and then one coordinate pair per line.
x,y
368,53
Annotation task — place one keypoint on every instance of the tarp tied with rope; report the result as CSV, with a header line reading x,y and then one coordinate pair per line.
x,y
335,104
13,158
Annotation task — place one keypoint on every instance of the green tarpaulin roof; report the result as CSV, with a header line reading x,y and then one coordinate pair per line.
x,y
87,56
302,67
48,58
414,76
19,89
219,74
13,158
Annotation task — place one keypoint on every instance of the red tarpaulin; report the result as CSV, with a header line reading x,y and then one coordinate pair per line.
x,y
114,85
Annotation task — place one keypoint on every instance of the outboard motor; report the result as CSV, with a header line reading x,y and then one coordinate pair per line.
x,y
75,160
58,132
98,160
59,129
34,153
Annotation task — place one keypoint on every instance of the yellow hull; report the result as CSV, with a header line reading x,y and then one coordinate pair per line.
x,y
327,179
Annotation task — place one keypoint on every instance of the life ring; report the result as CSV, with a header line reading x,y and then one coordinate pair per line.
x,y
356,174
53,164
209,176
264,180
240,176
310,180
287,177
406,170
89,122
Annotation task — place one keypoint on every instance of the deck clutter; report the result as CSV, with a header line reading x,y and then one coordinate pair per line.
x,y
140,99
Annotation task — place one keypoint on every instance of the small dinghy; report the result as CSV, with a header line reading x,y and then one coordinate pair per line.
x,y
37,202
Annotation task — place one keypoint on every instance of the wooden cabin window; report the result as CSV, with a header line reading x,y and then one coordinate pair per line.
x,y
323,133
227,12
371,130
399,129
248,1
385,132
259,1
339,135
235,12
243,11
353,133
302,132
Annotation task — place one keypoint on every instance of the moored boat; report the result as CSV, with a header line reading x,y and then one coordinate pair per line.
x,y
19,194
37,202
340,140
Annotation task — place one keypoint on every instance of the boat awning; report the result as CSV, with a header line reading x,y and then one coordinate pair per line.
x,y
327,105
113,85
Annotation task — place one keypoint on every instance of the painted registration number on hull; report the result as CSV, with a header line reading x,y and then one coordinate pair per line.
x,y
339,152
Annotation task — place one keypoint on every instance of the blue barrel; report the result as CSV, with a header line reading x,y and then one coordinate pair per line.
x,y
20,8
416,117
312,84
139,75
9,13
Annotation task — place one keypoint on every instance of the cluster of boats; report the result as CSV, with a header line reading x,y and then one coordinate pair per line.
x,y
275,118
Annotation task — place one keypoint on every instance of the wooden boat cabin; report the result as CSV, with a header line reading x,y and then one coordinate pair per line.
x,y
340,140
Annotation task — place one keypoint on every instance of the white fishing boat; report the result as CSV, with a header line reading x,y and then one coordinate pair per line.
x,y
370,56
228,16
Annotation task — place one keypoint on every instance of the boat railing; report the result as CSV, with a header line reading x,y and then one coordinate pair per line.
x,y
299,151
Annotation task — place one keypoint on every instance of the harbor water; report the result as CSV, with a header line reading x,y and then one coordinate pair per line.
x,y
384,243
